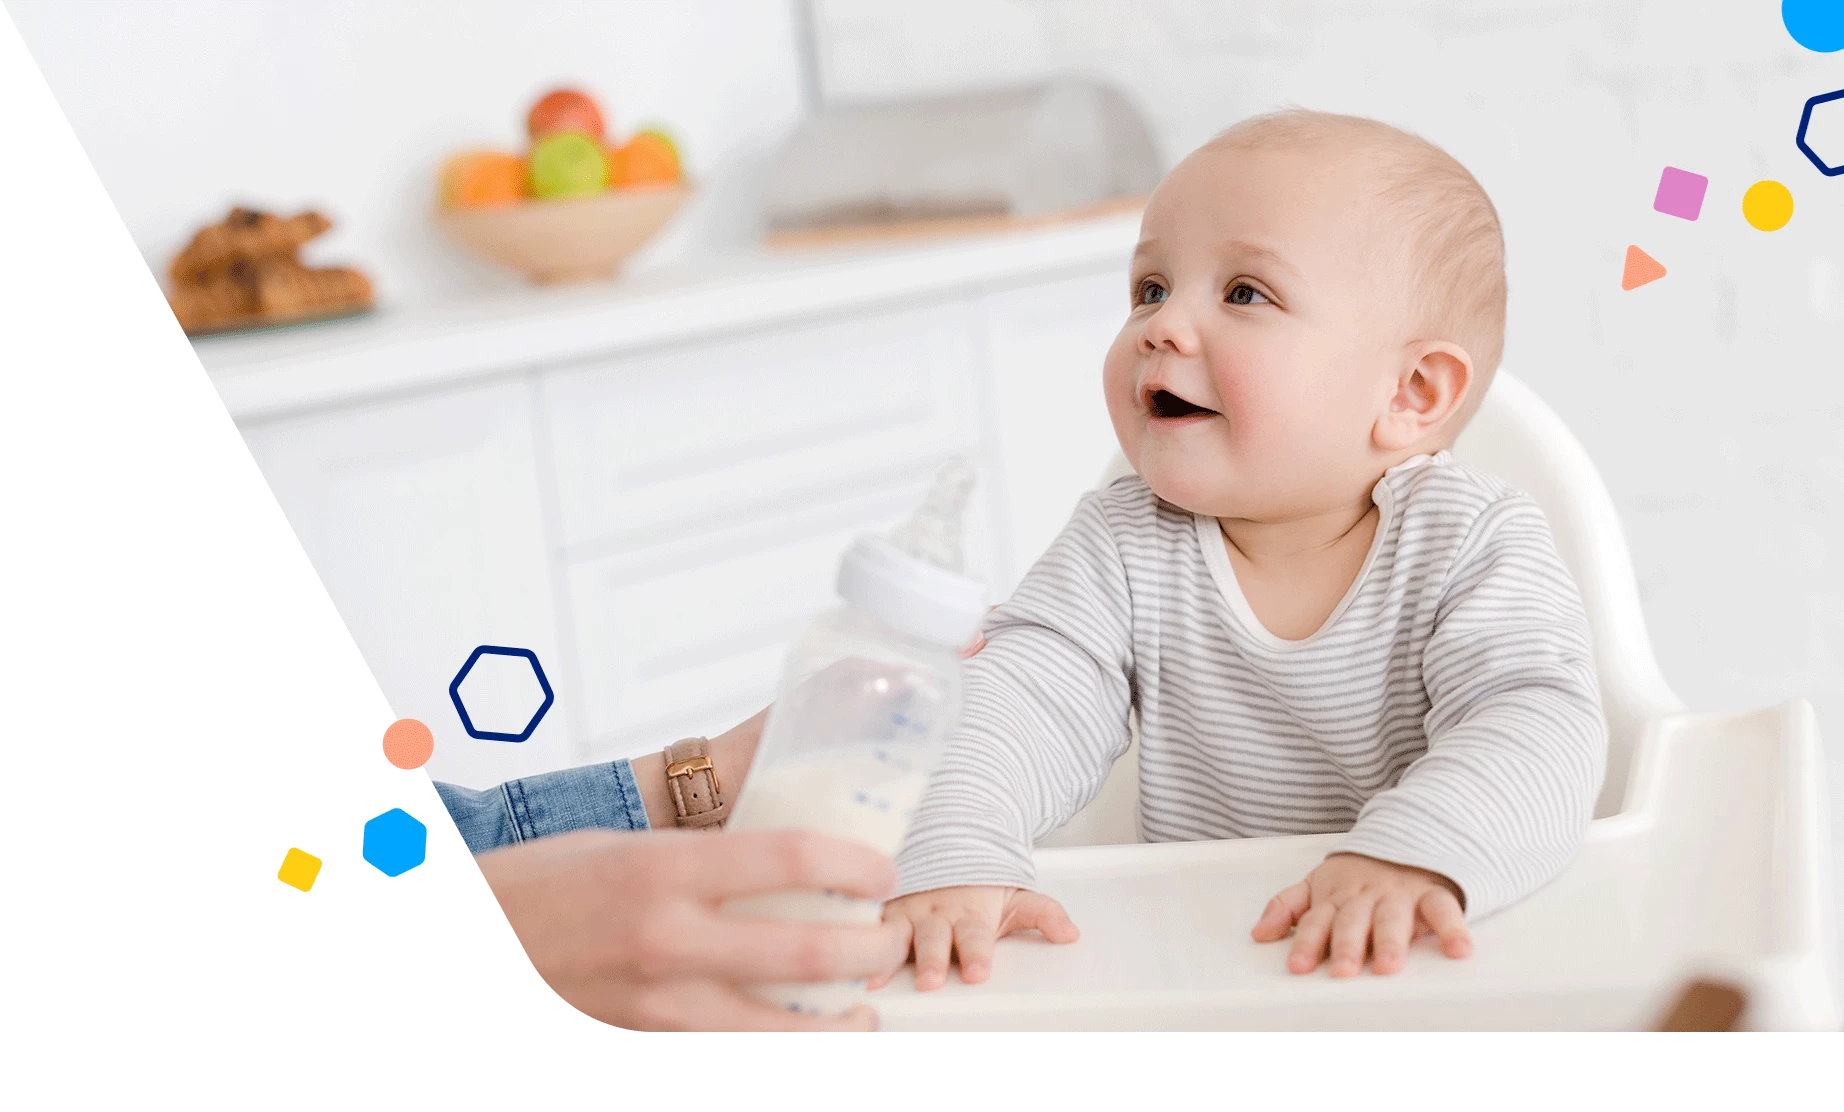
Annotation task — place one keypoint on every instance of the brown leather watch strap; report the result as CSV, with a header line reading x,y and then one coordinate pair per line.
x,y
691,782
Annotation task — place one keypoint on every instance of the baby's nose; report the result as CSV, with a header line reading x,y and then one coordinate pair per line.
x,y
1168,329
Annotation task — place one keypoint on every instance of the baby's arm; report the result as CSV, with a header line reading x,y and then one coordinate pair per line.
x,y
1045,718
1516,750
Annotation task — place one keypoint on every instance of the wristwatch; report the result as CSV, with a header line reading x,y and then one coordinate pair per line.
x,y
691,782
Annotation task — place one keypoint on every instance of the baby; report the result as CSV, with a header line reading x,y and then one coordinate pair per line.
x,y
1322,620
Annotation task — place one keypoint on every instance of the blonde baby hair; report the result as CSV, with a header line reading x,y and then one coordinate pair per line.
x,y
1455,259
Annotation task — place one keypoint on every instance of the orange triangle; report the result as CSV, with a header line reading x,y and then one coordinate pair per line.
x,y
1640,269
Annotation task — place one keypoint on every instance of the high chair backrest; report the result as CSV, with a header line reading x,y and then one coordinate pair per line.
x,y
1518,438
1521,440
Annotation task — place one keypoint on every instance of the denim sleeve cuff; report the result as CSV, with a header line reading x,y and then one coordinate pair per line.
x,y
600,796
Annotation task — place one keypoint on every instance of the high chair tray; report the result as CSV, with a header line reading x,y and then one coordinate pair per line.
x,y
1716,866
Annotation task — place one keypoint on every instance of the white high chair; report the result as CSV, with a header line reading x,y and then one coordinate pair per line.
x,y
1708,857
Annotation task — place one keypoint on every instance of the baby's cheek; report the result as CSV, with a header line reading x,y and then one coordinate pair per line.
x,y
1274,421
1254,423
1120,390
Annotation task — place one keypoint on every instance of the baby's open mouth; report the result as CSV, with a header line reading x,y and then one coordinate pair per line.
x,y
1170,406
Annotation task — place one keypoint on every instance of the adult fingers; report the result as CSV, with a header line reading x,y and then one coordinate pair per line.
x,y
933,938
974,936
1309,938
1392,931
731,865
710,1006
1442,913
764,951
1351,937
1282,912
1038,912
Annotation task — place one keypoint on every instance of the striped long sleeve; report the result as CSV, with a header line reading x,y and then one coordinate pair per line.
x,y
1045,717
1516,740
1446,715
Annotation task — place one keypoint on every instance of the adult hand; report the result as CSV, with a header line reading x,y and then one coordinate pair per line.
x,y
624,925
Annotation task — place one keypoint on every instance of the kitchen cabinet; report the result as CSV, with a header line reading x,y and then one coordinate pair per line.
x,y
423,518
649,485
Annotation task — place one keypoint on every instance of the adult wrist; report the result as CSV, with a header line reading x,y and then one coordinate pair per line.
x,y
693,784
731,753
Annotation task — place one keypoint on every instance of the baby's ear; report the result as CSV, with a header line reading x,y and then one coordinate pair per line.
x,y
1428,394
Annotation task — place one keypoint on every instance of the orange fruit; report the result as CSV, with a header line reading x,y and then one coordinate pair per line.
x,y
482,179
564,110
617,169
650,157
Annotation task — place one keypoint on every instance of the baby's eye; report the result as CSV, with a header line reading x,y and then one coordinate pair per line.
x,y
1151,293
1241,294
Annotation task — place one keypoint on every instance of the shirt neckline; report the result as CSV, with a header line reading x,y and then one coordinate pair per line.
x,y
1211,541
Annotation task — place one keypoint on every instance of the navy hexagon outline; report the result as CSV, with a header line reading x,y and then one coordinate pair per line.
x,y
1805,120
454,693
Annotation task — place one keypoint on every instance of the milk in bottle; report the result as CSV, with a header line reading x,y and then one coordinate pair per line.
x,y
867,700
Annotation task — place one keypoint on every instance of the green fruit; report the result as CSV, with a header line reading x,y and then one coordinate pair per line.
x,y
567,164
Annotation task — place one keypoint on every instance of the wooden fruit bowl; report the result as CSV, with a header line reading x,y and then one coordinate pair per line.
x,y
579,239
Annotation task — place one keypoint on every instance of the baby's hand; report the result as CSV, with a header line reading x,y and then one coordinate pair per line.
x,y
970,918
1349,900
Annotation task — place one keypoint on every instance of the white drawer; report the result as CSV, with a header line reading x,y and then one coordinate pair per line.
x,y
689,638
648,447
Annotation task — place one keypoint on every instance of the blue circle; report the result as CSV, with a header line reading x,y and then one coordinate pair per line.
x,y
1814,24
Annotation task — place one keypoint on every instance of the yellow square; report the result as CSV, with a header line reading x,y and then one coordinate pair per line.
x,y
299,869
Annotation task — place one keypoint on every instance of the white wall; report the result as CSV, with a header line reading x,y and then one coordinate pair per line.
x,y
186,106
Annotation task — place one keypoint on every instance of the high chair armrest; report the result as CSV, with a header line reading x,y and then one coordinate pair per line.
x,y
1717,868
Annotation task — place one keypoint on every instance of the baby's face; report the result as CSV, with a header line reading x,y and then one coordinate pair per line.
x,y
1263,339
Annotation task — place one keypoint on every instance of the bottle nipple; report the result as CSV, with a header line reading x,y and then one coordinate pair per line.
x,y
933,533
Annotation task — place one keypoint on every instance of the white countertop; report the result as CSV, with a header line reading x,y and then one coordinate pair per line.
x,y
396,350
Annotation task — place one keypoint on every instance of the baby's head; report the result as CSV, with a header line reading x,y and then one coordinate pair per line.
x,y
1315,299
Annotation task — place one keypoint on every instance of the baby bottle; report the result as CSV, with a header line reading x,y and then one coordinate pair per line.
x,y
869,696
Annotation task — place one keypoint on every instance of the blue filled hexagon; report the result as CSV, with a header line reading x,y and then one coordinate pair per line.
x,y
467,721
395,842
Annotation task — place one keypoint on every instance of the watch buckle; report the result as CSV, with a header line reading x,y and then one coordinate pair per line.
x,y
695,764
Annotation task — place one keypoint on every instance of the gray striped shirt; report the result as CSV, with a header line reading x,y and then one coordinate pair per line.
x,y
1446,714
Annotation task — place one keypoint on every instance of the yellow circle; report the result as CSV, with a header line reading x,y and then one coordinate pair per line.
x,y
1767,205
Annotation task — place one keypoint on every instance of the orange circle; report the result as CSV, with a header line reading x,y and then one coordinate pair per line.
x,y
408,743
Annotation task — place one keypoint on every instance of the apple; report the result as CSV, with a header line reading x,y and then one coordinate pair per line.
x,y
567,164
562,110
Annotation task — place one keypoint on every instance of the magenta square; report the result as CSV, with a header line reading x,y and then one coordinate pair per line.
x,y
1680,193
